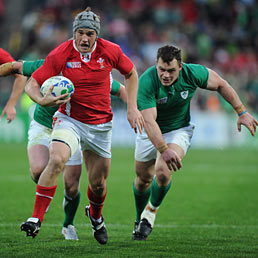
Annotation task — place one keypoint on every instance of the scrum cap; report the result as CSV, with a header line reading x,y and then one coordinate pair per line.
x,y
86,19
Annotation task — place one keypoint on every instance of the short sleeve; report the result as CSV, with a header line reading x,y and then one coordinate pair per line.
x,y
146,93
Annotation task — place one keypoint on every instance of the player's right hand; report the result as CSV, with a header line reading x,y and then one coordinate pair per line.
x,y
10,112
49,100
172,159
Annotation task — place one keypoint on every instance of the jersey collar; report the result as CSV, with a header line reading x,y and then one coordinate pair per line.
x,y
85,57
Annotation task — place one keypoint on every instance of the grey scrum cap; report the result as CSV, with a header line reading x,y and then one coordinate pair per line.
x,y
86,19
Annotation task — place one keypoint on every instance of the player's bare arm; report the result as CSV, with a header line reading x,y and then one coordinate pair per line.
x,y
133,114
151,127
11,68
17,90
220,85
122,93
32,88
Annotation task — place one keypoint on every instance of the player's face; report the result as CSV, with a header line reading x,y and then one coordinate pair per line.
x,y
168,73
85,39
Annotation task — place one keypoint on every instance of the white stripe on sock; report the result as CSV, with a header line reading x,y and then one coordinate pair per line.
x,y
44,195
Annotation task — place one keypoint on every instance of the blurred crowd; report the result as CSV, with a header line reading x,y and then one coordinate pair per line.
x,y
220,34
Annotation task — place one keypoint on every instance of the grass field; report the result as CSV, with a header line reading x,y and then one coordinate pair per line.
x,y
210,211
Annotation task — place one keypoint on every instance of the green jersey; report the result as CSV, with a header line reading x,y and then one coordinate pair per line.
x,y
31,66
172,102
43,115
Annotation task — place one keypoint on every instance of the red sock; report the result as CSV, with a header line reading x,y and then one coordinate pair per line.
x,y
96,204
44,195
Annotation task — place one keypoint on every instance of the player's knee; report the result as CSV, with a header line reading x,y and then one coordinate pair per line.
x,y
35,171
72,191
98,187
162,178
35,177
144,180
56,163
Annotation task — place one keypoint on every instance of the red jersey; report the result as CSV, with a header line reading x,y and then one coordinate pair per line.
x,y
90,74
5,57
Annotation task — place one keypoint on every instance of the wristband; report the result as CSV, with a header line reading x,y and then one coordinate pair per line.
x,y
240,110
162,147
242,113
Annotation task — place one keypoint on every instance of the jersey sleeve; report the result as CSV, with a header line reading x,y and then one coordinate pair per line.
x,y
199,75
5,57
115,87
53,64
31,66
146,93
124,64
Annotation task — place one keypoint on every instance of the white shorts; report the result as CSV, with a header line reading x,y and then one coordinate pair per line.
x,y
145,150
96,138
39,134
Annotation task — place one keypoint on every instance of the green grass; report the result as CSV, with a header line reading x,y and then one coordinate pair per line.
x,y
210,211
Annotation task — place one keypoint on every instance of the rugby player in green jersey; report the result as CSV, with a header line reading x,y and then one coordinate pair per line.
x,y
164,95
38,143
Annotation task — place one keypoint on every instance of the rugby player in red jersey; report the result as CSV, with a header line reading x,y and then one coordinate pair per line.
x,y
84,119
18,86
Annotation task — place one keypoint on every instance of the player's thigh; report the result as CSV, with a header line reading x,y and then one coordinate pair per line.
x,y
161,167
59,154
97,167
145,170
38,157
37,148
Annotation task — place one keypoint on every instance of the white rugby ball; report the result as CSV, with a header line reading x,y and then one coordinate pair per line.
x,y
61,84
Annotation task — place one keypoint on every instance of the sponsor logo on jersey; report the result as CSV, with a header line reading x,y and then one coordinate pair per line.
x,y
162,101
101,61
86,57
73,65
184,94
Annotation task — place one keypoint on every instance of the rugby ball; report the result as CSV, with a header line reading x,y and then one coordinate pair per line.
x,y
61,84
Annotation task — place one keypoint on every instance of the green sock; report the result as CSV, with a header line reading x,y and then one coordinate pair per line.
x,y
158,193
70,207
141,200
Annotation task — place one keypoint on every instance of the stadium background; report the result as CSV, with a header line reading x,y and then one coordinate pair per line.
x,y
219,34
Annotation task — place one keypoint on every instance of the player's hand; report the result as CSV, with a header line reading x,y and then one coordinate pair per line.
x,y
10,113
248,121
49,100
172,159
17,67
135,119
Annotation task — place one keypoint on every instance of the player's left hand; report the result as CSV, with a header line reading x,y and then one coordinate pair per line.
x,y
248,121
10,113
135,119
